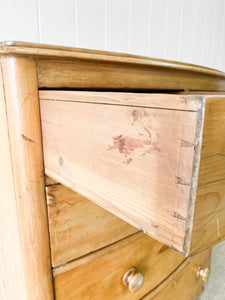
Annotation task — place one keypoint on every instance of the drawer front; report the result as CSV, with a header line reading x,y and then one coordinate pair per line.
x,y
100,275
78,226
185,283
147,158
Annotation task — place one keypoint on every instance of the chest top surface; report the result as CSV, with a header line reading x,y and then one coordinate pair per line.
x,y
59,67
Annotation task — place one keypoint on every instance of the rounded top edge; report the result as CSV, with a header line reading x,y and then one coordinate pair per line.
x,y
63,52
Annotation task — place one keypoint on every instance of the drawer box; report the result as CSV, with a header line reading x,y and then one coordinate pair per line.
x,y
100,275
155,160
77,226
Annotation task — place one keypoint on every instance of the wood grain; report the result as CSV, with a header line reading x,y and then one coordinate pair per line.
x,y
101,277
100,74
44,50
49,181
78,226
133,161
25,188
209,221
12,279
194,233
163,101
183,284
65,67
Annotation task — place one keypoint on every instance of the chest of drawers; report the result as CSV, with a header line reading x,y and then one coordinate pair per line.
x,y
141,138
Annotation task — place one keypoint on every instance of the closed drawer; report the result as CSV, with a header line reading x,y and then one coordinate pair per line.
x,y
187,282
100,275
77,226
156,161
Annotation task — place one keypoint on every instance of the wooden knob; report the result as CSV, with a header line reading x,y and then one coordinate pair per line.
x,y
203,273
133,280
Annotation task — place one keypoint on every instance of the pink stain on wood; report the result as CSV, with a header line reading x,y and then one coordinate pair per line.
x,y
127,144
137,143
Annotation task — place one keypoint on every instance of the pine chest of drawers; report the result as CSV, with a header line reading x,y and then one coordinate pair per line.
x,y
134,153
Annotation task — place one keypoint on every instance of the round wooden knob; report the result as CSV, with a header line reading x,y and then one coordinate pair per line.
x,y
203,273
133,280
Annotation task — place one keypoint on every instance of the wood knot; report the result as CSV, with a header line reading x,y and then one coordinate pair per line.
x,y
60,160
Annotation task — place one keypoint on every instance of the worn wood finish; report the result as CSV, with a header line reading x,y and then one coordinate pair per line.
x,y
209,221
108,75
104,272
133,161
65,67
24,189
12,279
62,52
183,284
96,254
78,226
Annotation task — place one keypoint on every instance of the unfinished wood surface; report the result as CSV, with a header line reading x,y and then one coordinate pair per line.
x,y
23,186
65,67
134,161
78,226
101,277
209,220
164,101
149,199
185,284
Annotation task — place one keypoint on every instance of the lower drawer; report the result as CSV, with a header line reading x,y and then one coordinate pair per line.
x,y
100,274
187,282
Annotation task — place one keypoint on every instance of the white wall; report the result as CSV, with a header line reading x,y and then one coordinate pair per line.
x,y
186,30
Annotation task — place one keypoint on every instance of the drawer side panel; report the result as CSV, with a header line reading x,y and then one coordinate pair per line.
x,y
135,162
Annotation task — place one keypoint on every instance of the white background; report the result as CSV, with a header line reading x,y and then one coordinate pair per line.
x,y
186,30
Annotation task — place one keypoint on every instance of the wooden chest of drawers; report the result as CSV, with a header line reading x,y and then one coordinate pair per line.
x,y
141,138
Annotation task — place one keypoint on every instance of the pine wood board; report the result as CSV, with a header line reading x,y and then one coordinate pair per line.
x,y
45,50
78,226
9,287
206,165
25,189
183,283
101,276
153,100
67,67
121,178
115,75
209,220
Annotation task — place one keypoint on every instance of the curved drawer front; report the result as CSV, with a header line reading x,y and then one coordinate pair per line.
x,y
185,283
100,275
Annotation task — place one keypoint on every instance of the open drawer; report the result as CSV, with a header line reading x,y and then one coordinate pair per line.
x,y
155,160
